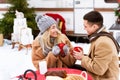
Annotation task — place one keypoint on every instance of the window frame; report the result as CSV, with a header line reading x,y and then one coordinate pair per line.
x,y
111,1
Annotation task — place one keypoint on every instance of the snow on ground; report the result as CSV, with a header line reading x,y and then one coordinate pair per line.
x,y
14,62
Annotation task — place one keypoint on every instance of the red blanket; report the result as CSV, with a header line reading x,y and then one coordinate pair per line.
x,y
69,71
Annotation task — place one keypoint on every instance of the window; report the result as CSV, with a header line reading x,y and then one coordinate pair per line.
x,y
111,1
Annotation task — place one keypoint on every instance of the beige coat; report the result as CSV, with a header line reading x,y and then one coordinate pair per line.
x,y
102,62
52,61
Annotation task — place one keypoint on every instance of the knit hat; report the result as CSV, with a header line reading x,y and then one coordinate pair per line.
x,y
44,22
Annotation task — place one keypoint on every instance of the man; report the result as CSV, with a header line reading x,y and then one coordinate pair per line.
x,y
102,60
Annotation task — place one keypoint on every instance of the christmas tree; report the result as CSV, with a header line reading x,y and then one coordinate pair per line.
x,y
6,23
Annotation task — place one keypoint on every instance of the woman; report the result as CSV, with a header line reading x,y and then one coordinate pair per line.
x,y
45,46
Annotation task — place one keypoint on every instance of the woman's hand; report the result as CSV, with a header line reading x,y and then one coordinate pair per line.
x,y
55,50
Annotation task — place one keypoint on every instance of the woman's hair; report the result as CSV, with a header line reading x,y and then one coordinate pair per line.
x,y
46,40
94,17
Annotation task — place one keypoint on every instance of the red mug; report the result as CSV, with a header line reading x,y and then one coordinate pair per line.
x,y
78,49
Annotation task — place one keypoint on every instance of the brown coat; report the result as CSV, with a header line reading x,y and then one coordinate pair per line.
x,y
52,61
102,62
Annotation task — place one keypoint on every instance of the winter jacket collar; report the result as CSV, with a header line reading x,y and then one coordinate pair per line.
x,y
94,35
102,32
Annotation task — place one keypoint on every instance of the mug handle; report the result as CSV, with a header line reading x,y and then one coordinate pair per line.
x,y
84,72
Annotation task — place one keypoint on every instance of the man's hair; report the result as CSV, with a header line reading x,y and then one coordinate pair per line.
x,y
94,17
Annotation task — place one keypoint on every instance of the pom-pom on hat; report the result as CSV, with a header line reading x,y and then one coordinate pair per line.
x,y
44,22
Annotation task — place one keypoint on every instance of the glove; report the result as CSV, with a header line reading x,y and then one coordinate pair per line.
x,y
61,49
56,50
